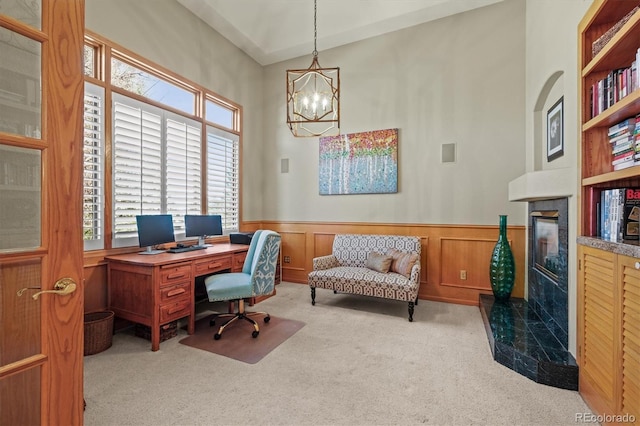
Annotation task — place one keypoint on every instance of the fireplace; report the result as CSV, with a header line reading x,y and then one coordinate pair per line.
x,y
546,258
531,336
548,264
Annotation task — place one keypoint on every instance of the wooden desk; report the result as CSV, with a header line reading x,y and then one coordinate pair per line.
x,y
156,289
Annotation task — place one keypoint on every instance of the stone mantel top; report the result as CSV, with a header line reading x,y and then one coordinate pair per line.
x,y
628,248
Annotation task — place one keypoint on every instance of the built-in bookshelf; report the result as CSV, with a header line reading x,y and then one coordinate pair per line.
x,y
608,288
597,157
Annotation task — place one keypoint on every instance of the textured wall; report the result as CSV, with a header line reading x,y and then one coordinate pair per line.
x,y
458,80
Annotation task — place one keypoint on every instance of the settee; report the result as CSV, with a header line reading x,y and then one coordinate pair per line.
x,y
386,266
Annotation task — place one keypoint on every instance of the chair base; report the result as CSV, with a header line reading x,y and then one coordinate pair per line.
x,y
234,317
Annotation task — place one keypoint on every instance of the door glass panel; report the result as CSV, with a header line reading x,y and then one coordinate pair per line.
x,y
20,195
27,11
20,315
20,88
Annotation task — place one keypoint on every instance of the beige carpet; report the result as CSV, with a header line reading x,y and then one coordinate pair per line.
x,y
357,361
237,342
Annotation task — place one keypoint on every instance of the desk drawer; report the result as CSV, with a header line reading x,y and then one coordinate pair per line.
x,y
175,310
238,261
170,293
171,274
209,266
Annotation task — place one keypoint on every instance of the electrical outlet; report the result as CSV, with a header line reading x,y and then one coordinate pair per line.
x,y
287,259
463,274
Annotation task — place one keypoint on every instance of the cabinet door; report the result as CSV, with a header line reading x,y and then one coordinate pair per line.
x,y
597,339
630,279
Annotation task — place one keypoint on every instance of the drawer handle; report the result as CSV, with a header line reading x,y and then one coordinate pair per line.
x,y
215,265
176,292
637,265
174,276
175,309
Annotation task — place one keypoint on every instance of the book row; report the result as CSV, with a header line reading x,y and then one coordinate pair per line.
x,y
624,138
615,86
619,214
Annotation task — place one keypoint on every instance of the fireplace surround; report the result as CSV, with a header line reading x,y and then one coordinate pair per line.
x,y
531,336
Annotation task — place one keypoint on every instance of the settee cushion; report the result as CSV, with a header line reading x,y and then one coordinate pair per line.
x,y
378,262
402,262
364,281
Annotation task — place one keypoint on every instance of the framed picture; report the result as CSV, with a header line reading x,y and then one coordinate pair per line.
x,y
555,131
359,163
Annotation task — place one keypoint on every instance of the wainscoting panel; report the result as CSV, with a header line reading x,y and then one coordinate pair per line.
x,y
457,248
294,254
464,262
446,250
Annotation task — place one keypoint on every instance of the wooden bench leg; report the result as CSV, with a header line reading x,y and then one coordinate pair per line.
x,y
410,311
313,296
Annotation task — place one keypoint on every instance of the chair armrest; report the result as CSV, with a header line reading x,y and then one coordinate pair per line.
x,y
325,262
415,274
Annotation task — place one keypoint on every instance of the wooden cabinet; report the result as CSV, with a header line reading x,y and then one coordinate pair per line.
x,y
629,276
597,328
609,331
608,303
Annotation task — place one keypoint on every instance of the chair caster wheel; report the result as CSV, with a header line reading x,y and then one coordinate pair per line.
x,y
267,318
255,334
217,336
212,323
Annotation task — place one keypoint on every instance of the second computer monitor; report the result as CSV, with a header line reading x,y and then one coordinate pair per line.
x,y
202,226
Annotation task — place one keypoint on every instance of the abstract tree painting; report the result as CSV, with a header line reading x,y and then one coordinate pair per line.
x,y
359,163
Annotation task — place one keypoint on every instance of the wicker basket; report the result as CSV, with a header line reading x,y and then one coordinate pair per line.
x,y
602,41
98,331
167,331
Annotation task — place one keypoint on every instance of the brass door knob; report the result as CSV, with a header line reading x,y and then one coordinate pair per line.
x,y
62,287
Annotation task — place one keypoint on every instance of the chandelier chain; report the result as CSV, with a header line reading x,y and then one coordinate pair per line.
x,y
315,28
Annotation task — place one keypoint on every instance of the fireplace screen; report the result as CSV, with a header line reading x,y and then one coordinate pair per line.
x,y
545,239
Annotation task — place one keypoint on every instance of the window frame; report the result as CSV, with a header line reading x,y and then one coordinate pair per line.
x,y
103,50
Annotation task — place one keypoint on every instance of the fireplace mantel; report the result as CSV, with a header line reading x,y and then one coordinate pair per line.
x,y
544,185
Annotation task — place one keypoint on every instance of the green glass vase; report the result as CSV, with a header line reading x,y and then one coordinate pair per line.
x,y
502,270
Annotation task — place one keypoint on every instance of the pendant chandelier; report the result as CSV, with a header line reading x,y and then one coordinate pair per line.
x,y
313,96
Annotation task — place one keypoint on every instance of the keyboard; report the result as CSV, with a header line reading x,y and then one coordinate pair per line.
x,y
185,249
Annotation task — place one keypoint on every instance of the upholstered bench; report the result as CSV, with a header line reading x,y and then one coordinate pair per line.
x,y
386,266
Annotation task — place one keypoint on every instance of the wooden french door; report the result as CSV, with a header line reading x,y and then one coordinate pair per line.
x,y
41,248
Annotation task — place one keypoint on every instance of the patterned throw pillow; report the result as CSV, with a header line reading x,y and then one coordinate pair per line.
x,y
378,262
402,261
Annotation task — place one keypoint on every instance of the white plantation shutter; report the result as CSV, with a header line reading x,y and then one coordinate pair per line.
x,y
93,174
157,166
183,169
223,162
137,166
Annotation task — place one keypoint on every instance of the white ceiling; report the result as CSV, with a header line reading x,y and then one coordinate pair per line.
x,y
276,30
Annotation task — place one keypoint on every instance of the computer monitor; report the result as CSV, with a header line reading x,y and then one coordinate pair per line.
x,y
202,226
154,229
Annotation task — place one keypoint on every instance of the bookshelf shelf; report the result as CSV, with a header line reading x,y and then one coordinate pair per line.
x,y
628,106
620,50
618,175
